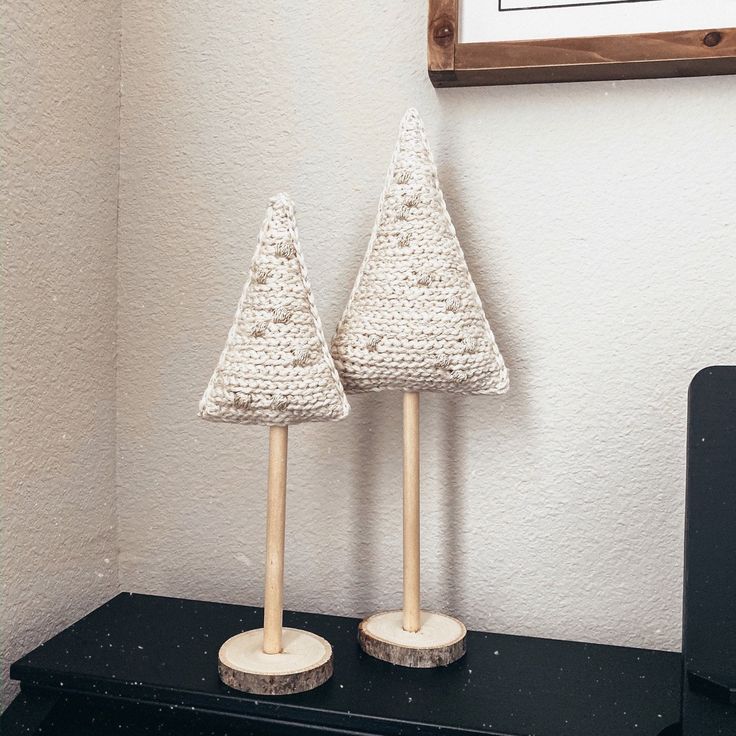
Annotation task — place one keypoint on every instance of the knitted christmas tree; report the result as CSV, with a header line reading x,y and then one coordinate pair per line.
x,y
276,369
414,322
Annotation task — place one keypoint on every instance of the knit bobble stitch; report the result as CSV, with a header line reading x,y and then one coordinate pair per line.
x,y
285,249
301,356
279,403
281,315
470,344
259,329
242,400
261,274
452,304
373,341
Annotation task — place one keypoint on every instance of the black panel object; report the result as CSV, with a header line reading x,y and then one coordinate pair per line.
x,y
709,622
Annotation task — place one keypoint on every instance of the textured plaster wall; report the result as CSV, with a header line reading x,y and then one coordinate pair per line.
x,y
59,200
598,220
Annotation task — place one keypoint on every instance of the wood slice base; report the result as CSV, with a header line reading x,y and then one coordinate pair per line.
x,y
439,642
304,663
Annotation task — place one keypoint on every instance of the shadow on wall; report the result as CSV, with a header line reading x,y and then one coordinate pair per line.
x,y
456,450
364,503
452,518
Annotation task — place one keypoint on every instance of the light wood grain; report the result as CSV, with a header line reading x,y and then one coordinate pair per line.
x,y
412,607
275,530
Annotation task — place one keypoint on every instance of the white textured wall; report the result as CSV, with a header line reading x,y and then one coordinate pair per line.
x,y
59,200
598,220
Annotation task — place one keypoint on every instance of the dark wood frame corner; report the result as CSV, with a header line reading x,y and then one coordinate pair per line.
x,y
597,58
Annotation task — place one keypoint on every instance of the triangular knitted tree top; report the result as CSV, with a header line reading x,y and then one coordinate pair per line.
x,y
276,368
414,320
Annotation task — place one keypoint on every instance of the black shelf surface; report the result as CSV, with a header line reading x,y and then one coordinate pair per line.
x,y
161,655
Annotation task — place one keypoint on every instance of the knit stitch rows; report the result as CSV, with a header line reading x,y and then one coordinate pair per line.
x,y
414,320
276,368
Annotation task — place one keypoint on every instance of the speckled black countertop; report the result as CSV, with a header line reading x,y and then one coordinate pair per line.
x,y
149,664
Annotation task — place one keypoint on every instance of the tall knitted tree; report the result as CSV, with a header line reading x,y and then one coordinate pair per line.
x,y
414,322
276,370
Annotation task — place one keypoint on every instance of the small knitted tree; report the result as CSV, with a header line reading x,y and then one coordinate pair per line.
x,y
414,322
276,369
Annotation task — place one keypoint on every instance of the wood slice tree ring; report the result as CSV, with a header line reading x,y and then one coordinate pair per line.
x,y
305,662
439,642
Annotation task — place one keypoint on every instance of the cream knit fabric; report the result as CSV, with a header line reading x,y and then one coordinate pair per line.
x,y
276,368
414,320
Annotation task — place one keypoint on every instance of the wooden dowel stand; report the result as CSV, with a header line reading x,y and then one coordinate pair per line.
x,y
412,609
273,604
409,637
275,660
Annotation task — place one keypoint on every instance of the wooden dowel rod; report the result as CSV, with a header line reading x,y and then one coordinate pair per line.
x,y
273,605
411,618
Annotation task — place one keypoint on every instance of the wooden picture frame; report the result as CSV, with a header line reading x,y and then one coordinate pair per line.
x,y
596,58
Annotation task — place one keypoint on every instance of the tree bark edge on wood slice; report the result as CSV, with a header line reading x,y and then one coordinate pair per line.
x,y
305,663
261,684
428,655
